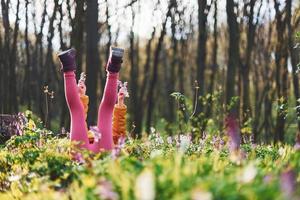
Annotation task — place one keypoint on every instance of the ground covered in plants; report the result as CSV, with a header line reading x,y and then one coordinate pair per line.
x,y
36,164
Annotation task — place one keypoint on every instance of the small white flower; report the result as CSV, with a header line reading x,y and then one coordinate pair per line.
x,y
169,140
185,142
155,153
152,130
145,186
281,151
249,173
159,140
14,178
202,195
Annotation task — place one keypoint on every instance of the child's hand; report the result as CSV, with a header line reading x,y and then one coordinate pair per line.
x,y
122,93
81,84
81,88
121,97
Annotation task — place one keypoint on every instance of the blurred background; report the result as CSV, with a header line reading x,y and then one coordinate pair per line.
x,y
218,57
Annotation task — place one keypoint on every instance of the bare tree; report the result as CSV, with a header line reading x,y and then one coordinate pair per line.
x,y
6,45
233,51
27,93
150,98
281,56
203,10
245,66
92,57
214,62
294,55
77,33
10,45
38,59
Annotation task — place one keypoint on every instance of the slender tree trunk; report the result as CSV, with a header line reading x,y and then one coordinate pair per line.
x,y
139,116
174,65
182,65
203,9
38,61
281,55
294,59
7,47
246,108
151,101
2,74
92,58
64,117
77,34
214,65
268,75
27,86
234,54
13,65
108,29
50,73
134,71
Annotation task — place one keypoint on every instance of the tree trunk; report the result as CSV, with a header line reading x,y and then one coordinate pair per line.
x,y
203,9
139,115
77,34
13,65
234,54
5,21
38,61
92,58
246,108
214,65
151,102
294,59
27,92
64,117
50,73
281,55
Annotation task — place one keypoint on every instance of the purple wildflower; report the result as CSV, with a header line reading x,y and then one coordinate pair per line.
x,y
288,182
268,178
14,124
217,142
214,139
222,142
117,149
233,133
96,133
105,190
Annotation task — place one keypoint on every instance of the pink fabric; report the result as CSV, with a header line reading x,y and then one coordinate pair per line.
x,y
78,125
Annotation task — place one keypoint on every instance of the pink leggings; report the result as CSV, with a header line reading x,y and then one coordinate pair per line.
x,y
78,125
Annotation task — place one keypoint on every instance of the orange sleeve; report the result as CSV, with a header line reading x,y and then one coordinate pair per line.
x,y
119,122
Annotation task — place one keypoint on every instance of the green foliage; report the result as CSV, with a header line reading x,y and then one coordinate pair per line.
x,y
38,165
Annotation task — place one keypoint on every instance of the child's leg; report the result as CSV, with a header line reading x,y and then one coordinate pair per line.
x,y
106,110
108,100
78,126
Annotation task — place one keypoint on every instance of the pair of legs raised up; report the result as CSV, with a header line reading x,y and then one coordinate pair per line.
x,y
78,127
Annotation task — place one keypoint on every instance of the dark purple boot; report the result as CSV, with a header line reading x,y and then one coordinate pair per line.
x,y
67,59
115,60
